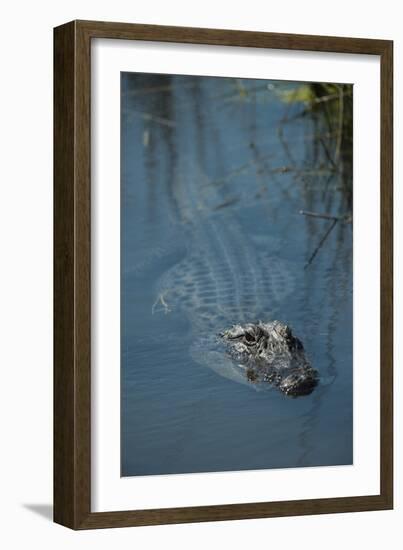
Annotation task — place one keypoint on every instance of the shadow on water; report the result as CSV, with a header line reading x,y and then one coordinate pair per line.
x,y
215,173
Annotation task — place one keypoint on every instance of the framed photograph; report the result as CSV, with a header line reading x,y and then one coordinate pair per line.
x,y
222,275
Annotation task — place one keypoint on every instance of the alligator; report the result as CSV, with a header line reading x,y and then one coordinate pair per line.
x,y
269,352
223,284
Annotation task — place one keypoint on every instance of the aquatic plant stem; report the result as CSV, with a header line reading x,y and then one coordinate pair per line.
x,y
334,219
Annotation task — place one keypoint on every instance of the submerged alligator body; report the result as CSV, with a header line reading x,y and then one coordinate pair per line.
x,y
223,284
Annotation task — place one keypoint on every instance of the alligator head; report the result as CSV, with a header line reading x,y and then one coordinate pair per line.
x,y
269,352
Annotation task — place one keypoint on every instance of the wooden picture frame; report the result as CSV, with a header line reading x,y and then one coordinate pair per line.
x,y
72,269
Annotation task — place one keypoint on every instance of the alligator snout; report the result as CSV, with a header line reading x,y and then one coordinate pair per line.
x,y
300,383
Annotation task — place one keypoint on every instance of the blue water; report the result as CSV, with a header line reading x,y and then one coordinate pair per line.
x,y
196,149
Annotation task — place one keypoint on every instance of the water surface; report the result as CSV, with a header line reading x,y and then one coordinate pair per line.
x,y
237,154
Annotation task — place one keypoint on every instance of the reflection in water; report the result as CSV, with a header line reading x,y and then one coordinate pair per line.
x,y
215,172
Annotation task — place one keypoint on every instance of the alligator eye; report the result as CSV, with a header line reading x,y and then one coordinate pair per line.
x,y
249,337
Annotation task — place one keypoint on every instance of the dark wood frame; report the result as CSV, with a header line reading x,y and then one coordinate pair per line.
x,y
72,292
